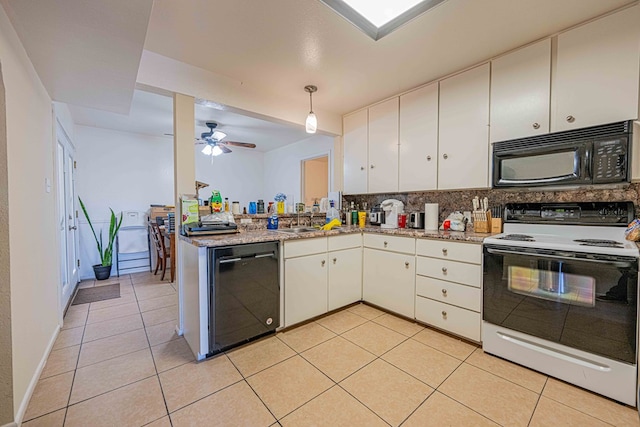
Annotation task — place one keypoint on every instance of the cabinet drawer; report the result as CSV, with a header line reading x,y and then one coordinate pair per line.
x,y
348,241
452,271
452,319
451,293
305,247
405,245
454,251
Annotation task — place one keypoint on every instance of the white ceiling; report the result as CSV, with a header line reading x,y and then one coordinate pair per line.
x,y
284,45
152,114
85,52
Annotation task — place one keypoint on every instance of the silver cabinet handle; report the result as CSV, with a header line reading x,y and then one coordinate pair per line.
x,y
536,125
334,260
444,313
444,251
385,244
445,156
444,270
323,262
373,166
571,119
406,264
73,227
428,158
444,292
361,168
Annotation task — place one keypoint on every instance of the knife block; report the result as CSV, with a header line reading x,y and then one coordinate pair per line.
x,y
482,225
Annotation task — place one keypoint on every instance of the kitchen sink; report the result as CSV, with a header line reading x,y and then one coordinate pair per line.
x,y
298,230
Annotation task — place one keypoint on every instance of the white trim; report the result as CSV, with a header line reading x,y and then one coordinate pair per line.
x,y
34,380
11,424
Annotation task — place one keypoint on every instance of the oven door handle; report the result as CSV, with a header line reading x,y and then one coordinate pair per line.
x,y
613,262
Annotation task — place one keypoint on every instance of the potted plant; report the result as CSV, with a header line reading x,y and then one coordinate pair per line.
x,y
103,270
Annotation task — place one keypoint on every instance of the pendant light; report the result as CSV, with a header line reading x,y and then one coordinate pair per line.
x,y
311,125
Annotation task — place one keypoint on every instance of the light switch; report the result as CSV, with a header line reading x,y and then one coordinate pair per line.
x,y
47,185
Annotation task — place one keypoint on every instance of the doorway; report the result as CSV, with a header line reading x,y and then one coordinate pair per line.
x,y
67,216
315,179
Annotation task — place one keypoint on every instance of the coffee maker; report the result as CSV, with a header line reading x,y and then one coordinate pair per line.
x,y
391,209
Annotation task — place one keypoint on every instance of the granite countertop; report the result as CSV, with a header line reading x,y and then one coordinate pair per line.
x,y
257,236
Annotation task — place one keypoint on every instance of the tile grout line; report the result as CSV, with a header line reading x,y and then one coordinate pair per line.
x,y
537,402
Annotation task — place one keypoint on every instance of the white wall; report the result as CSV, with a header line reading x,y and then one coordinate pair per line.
x,y
119,170
32,236
282,167
238,175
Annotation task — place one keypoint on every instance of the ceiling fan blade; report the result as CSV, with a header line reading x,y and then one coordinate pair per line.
x,y
238,144
224,149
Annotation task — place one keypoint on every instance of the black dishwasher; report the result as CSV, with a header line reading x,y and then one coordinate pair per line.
x,y
244,294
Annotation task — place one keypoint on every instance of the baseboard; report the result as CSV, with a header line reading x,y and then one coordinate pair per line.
x,y
34,380
11,424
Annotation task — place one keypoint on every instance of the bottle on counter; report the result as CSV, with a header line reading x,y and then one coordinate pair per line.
x,y
226,204
260,206
332,213
354,214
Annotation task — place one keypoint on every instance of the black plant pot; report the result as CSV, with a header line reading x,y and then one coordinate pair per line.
x,y
102,272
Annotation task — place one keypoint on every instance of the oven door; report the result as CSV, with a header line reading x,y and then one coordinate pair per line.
x,y
562,164
583,301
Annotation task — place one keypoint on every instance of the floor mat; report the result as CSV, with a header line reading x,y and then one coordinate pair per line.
x,y
97,293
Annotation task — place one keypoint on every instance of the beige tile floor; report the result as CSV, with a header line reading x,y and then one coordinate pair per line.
x,y
120,363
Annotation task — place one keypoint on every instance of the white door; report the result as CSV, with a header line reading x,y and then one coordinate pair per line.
x,y
345,277
305,281
418,158
355,153
67,216
383,147
389,281
463,144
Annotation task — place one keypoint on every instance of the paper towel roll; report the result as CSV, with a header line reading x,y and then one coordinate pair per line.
x,y
431,216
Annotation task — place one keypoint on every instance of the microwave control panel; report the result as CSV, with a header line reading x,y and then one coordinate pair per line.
x,y
610,160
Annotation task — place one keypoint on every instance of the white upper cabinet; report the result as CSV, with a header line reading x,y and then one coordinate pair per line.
x,y
463,160
383,147
418,156
355,152
520,92
596,77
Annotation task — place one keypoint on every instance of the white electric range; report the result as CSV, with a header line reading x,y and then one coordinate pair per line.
x,y
560,293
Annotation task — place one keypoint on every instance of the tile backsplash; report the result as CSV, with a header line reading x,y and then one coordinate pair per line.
x,y
460,200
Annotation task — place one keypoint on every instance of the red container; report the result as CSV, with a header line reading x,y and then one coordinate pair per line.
x,y
402,220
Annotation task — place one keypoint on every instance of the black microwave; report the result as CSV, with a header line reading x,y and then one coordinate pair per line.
x,y
589,156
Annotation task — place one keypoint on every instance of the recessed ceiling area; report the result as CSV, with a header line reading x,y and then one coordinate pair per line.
x,y
152,114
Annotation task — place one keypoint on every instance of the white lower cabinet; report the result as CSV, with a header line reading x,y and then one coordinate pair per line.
x,y
389,280
345,277
448,292
320,275
305,294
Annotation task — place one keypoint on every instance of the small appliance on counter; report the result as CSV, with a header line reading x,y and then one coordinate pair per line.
x,y
416,220
203,228
391,208
376,216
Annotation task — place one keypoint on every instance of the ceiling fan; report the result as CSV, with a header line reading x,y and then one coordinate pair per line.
x,y
213,144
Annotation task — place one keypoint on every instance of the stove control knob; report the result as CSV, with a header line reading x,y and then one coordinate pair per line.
x,y
604,211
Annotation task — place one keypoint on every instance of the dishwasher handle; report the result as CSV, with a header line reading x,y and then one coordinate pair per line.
x,y
256,256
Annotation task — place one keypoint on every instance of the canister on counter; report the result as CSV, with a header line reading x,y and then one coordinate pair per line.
x,y
260,206
235,208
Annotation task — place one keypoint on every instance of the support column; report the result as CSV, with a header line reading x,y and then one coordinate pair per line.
x,y
184,172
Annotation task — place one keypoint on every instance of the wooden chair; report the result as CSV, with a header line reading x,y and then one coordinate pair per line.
x,y
161,250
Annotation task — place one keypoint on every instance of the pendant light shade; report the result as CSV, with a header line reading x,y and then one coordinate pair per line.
x,y
311,124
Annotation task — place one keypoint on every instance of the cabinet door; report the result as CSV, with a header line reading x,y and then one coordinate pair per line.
x,y
345,277
389,281
596,79
383,147
305,288
418,149
355,152
463,147
520,92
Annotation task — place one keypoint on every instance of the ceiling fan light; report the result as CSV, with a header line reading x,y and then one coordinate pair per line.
x,y
218,136
207,150
311,125
216,151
